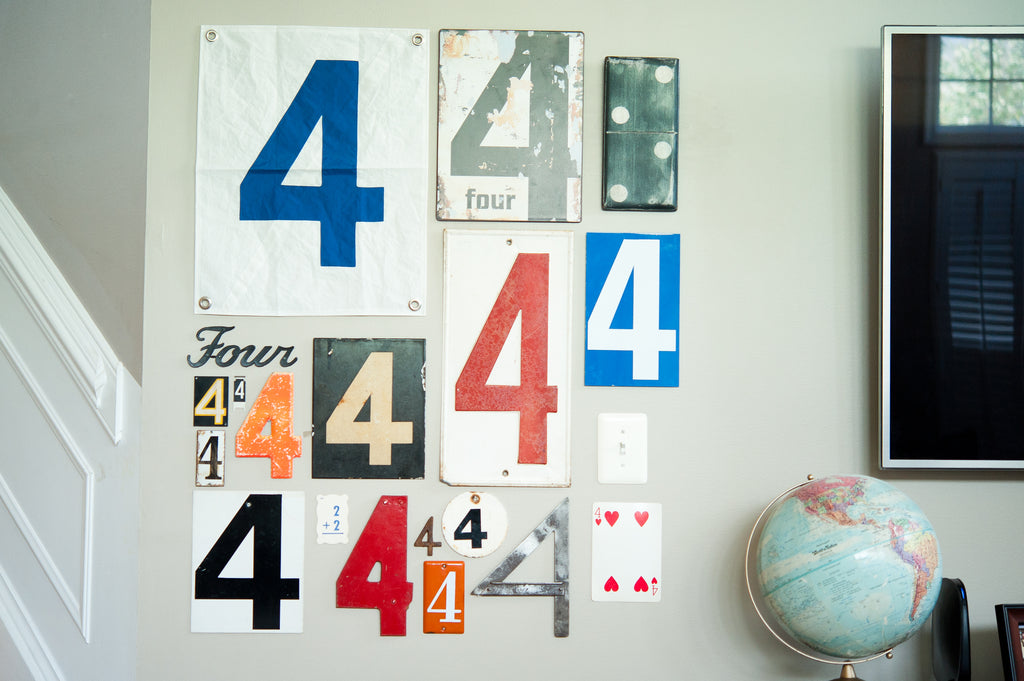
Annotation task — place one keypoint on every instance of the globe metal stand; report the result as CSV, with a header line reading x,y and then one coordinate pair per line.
x,y
846,673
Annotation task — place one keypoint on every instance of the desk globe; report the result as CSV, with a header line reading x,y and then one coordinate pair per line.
x,y
848,566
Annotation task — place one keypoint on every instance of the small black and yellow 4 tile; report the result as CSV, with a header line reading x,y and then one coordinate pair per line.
x,y
641,129
368,408
210,398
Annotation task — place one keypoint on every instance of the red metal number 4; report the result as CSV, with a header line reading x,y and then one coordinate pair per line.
x,y
383,541
525,291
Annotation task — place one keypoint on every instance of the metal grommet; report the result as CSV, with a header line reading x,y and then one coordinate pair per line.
x,y
204,303
417,39
414,305
475,498
508,242
504,474
211,35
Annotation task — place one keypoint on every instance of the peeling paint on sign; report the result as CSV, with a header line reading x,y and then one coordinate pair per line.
x,y
510,123
507,358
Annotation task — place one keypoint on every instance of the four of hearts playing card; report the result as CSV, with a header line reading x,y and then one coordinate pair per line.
x,y
626,552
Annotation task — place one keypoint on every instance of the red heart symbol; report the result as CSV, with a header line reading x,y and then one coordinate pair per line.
x,y
597,520
641,585
611,517
611,585
641,517
654,580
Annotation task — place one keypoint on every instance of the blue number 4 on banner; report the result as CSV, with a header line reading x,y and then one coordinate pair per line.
x,y
632,310
329,94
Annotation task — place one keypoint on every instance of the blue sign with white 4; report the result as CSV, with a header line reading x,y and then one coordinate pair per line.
x,y
632,310
311,161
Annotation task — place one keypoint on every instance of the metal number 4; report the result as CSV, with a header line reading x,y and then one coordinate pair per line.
x,y
557,522
381,541
274,404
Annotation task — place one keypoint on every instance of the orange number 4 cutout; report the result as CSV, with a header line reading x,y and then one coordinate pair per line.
x,y
274,404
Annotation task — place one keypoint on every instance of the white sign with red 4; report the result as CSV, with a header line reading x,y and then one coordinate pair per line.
x,y
507,341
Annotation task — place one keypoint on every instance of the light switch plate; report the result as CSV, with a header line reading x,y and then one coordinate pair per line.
x,y
622,448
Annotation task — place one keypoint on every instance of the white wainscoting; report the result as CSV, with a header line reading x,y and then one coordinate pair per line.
x,y
68,475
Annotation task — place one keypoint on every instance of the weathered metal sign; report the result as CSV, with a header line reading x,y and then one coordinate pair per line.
x,y
210,458
507,355
274,407
368,408
510,122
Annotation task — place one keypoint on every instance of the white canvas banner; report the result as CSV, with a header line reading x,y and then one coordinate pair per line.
x,y
311,171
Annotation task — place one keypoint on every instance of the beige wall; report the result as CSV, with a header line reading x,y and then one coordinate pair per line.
x,y
73,148
778,217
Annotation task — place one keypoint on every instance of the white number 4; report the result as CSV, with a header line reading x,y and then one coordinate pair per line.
x,y
450,611
639,259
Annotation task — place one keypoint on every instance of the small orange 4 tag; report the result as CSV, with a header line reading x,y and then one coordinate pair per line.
x,y
444,595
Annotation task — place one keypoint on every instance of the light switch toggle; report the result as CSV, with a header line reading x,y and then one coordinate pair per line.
x,y
622,448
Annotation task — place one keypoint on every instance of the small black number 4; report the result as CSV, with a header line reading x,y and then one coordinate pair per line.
x,y
476,535
211,446
427,533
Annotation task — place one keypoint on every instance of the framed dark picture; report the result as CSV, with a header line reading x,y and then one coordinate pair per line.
x,y
1010,620
952,248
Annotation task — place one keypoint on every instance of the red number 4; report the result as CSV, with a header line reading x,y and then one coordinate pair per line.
x,y
524,292
383,541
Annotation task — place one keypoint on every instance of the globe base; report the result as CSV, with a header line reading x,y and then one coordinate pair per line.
x,y
847,674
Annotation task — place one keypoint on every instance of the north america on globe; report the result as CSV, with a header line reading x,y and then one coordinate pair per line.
x,y
849,566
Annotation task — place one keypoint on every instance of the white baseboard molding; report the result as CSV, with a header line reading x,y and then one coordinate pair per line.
x,y
79,343
25,635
